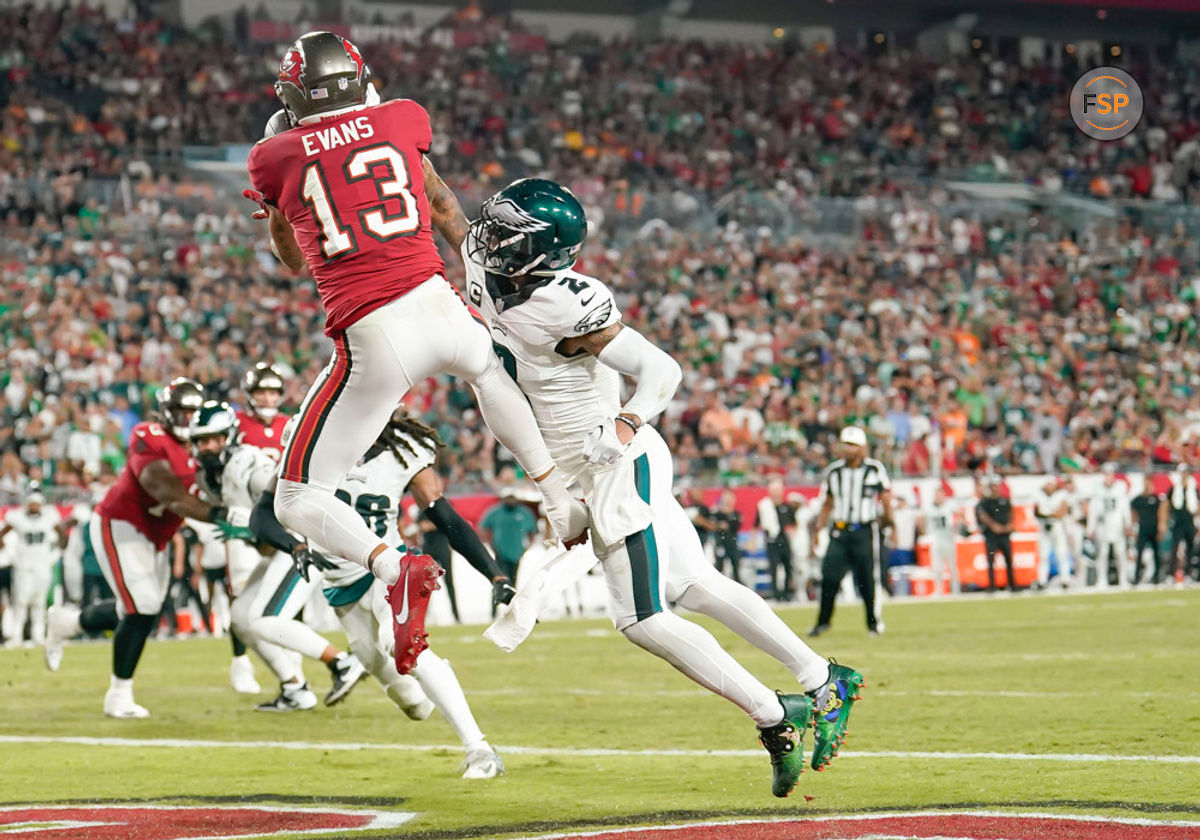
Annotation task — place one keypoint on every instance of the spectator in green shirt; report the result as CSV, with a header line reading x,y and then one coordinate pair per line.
x,y
508,526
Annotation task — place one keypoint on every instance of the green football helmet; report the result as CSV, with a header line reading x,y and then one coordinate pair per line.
x,y
531,227
214,419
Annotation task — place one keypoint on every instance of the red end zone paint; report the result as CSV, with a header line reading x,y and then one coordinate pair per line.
x,y
169,822
907,826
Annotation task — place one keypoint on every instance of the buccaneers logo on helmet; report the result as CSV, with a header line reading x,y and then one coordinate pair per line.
x,y
291,67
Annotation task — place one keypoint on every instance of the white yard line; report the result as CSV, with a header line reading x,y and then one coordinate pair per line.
x,y
579,752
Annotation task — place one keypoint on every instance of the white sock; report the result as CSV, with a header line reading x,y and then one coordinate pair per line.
x,y
440,685
693,650
386,566
117,684
750,617
291,634
285,664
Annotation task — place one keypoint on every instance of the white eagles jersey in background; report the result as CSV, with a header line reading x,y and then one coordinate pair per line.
x,y
374,489
33,540
1109,515
569,396
247,473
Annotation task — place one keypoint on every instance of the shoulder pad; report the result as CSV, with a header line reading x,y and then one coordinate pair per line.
x,y
567,306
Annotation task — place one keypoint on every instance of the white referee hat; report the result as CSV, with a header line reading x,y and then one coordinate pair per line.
x,y
854,436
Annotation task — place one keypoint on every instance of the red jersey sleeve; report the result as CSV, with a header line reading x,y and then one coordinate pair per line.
x,y
264,168
416,120
146,445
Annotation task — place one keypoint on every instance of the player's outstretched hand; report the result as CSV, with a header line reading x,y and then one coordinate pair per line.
x,y
602,445
304,558
502,592
254,195
227,531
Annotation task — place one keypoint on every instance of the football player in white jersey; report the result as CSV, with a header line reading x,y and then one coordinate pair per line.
x,y
264,611
1110,525
561,338
938,523
401,460
38,535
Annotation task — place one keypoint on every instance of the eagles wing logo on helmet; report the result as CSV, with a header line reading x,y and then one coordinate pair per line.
x,y
509,214
291,67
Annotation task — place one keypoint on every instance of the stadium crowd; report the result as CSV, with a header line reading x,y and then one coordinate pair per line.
x,y
955,340
82,92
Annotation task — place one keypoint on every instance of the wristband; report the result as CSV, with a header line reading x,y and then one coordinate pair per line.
x,y
218,512
628,420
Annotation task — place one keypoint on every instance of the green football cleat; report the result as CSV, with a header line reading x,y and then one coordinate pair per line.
x,y
833,702
785,742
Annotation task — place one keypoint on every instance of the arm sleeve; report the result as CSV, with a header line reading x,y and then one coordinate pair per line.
x,y
267,528
657,375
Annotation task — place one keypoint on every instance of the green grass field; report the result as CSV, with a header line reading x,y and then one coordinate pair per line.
x,y
1105,676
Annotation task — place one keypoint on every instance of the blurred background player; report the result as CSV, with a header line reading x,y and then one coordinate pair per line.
x,y
130,530
261,422
994,513
857,503
184,591
776,517
264,612
1052,508
399,461
38,535
1110,526
938,522
361,213
727,523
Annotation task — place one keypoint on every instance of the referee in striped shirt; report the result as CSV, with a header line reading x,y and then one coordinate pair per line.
x,y
856,505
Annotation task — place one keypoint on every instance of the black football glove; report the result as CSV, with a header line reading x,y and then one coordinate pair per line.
x,y
304,558
502,592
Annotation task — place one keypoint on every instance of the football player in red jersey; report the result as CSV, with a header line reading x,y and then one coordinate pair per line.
x,y
348,189
261,422
130,529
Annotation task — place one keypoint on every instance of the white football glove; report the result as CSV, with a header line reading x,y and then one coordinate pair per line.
x,y
603,446
568,518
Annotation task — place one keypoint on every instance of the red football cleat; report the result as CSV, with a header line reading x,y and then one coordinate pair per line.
x,y
409,598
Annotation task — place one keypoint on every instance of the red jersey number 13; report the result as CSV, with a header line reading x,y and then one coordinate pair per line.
x,y
386,166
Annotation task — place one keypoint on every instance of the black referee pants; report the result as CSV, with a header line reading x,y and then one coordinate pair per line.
x,y
1147,539
779,557
999,545
854,552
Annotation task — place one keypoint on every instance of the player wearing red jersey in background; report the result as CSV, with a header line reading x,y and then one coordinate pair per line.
x,y
349,191
260,422
129,531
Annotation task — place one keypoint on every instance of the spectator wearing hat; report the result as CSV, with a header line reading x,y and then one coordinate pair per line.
x,y
856,504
